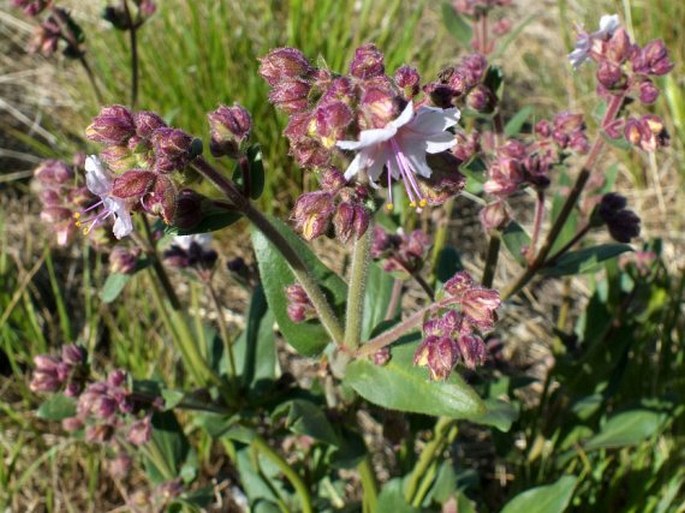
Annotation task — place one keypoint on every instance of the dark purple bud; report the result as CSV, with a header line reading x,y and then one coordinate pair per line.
x,y
73,389
618,48
332,179
343,221
543,128
332,119
292,96
623,224
652,59
367,62
134,183
174,149
140,431
481,99
74,355
362,219
442,356
409,80
610,75
161,200
53,172
284,65
146,123
495,216
299,307
648,92
459,284
479,304
472,349
229,128
113,126
104,407
116,378
312,214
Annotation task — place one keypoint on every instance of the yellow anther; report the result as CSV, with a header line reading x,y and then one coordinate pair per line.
x,y
389,207
423,202
412,204
77,215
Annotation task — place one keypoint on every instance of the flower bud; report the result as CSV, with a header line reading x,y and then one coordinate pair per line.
x,y
367,62
332,119
472,350
229,128
173,149
31,7
618,48
623,224
188,209
283,65
408,79
495,216
648,92
610,75
332,180
146,123
113,126
652,59
481,99
133,183
292,96
140,431
312,214
299,308
53,172
439,354
74,355
161,199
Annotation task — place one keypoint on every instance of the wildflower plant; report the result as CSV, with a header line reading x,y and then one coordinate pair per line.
x,y
386,149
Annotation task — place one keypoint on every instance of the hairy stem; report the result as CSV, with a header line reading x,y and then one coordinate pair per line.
x,y
355,291
133,27
612,110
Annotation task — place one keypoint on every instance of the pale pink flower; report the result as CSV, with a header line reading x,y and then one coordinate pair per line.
x,y
584,43
401,147
99,181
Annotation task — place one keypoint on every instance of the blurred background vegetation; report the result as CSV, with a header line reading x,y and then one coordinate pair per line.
x,y
197,54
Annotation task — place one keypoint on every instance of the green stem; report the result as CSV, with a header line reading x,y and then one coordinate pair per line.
x,y
355,291
440,238
262,447
612,110
323,308
429,453
491,259
151,252
369,484
576,238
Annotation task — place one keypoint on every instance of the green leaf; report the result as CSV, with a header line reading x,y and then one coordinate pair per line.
x,y
58,407
308,338
306,418
627,428
391,499
515,240
379,285
456,25
255,349
400,385
173,446
172,398
552,498
499,414
585,260
515,124
448,264
113,286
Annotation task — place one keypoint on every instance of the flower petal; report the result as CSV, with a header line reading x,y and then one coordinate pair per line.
x,y
405,117
430,120
608,24
440,142
368,138
354,167
97,179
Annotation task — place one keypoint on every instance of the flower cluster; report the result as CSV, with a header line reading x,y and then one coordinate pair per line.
x,y
56,26
623,224
464,83
626,69
400,252
122,17
108,408
141,153
67,372
365,111
451,335
300,308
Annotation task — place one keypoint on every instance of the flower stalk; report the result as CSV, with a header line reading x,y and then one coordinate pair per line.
x,y
357,286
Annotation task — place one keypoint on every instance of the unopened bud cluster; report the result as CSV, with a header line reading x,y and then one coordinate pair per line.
x,y
400,252
66,372
337,208
623,224
192,252
56,28
452,334
300,308
125,17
